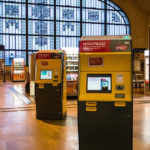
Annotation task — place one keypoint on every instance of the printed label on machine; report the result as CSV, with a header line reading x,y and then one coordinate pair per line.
x,y
48,55
119,78
121,47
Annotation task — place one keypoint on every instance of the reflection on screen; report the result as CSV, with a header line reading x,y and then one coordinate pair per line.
x,y
99,84
46,74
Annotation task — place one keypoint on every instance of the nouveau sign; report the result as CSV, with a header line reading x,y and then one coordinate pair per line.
x,y
105,46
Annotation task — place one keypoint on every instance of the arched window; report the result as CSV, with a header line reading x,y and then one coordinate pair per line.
x,y
27,26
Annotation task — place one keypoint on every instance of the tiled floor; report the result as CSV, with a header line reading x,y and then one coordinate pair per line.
x,y
19,129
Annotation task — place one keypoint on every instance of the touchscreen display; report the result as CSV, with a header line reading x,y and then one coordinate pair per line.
x,y
46,75
99,83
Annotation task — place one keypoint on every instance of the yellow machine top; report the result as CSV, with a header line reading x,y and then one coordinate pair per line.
x,y
51,51
106,37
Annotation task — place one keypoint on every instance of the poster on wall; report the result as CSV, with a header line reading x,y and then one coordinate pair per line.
x,y
2,64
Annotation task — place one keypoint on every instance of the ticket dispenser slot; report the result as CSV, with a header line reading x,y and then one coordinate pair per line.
x,y
50,85
105,105
120,87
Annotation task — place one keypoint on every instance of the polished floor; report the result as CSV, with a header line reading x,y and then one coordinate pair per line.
x,y
20,130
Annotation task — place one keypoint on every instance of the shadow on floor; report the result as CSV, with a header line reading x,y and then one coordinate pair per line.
x,y
69,121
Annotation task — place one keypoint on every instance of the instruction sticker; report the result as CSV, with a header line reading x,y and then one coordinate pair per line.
x,y
119,78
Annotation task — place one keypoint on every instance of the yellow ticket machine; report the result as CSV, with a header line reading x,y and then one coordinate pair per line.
x,y
50,85
105,112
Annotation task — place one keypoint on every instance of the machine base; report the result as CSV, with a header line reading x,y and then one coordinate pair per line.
x,y
49,103
108,128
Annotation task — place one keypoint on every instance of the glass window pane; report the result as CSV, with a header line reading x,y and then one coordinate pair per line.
x,y
68,28
13,26
41,12
20,1
13,10
93,4
67,14
14,42
62,42
116,30
47,2
115,17
41,27
92,29
41,43
91,15
68,2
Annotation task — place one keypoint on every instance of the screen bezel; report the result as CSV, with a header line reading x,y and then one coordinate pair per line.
x,y
98,75
46,70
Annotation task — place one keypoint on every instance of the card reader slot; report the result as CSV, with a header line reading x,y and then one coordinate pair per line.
x,y
119,95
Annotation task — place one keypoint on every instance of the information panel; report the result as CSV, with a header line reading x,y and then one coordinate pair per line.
x,y
46,75
99,83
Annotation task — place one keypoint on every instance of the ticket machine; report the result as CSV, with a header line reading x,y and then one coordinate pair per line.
x,y
105,105
18,69
50,85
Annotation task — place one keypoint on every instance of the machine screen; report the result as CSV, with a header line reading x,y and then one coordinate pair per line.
x,y
99,83
46,75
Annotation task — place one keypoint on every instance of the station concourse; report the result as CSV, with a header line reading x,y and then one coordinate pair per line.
x,y
64,85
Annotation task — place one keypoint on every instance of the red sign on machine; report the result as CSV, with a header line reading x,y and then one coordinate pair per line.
x,y
95,61
48,56
43,55
95,46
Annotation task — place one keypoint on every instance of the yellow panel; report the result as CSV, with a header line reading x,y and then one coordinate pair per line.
x,y
84,96
114,61
91,108
32,66
51,51
64,88
120,104
41,85
53,64
91,103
